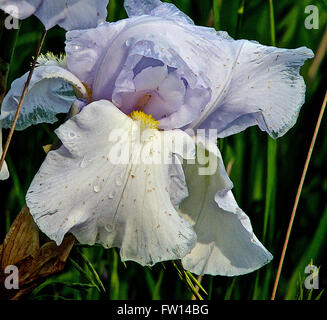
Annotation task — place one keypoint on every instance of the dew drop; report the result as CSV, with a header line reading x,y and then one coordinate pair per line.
x,y
119,181
108,227
111,194
83,163
96,188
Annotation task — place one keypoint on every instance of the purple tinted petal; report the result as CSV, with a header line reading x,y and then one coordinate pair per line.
x,y
72,14
262,87
171,100
85,49
155,8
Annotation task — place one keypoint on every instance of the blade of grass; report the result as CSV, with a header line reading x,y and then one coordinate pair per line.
x,y
240,17
84,273
298,194
216,5
270,185
114,279
156,291
93,271
229,290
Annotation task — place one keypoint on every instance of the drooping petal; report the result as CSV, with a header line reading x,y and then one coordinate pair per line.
x,y
115,191
4,173
19,9
50,92
72,14
226,242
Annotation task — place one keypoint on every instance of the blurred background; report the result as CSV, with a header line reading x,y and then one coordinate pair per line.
x,y
265,173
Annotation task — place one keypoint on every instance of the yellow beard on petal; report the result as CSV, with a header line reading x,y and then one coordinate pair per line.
x,y
145,121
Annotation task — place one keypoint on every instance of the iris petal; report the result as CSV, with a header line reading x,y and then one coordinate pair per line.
x,y
115,203
226,243
50,92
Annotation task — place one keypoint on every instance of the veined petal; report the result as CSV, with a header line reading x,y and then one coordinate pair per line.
x,y
119,68
19,9
115,191
262,86
85,49
72,14
50,92
4,173
226,242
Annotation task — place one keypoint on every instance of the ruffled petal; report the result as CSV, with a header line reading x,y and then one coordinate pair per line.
x,y
230,84
112,66
252,84
51,91
4,173
20,9
85,49
105,185
226,242
155,8
261,86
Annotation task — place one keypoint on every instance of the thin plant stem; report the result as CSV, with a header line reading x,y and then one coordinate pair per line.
x,y
19,107
197,287
298,194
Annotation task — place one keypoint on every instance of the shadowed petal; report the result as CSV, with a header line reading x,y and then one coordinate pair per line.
x,y
72,14
226,243
50,92
69,14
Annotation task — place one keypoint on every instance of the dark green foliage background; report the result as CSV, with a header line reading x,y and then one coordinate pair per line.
x,y
265,183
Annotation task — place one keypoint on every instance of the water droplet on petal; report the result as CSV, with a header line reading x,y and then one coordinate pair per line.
x,y
119,181
111,194
97,188
83,163
108,227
